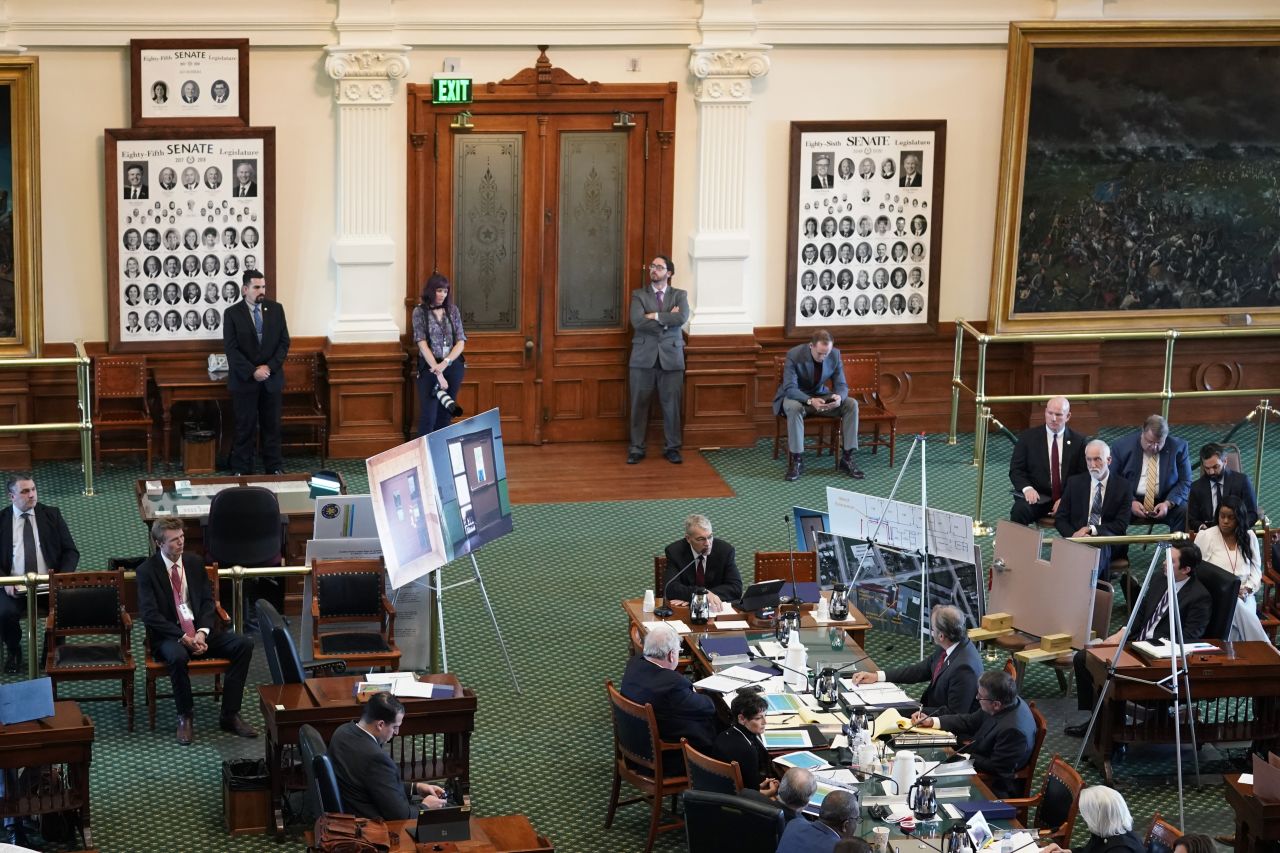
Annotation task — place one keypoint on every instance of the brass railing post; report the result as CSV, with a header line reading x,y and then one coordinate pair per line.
x,y
980,452
1264,410
33,630
1167,391
955,383
86,418
980,394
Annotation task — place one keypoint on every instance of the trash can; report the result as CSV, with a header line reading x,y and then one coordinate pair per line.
x,y
246,796
198,449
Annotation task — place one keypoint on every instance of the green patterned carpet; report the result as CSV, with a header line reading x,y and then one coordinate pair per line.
x,y
556,584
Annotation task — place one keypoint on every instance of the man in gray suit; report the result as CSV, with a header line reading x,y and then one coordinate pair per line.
x,y
810,367
658,315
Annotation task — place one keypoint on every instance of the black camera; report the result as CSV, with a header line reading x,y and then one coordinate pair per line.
x,y
450,405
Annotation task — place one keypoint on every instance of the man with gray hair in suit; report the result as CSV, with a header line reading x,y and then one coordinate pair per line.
x,y
658,315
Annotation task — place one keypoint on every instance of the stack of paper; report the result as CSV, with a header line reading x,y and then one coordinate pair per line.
x,y
1165,649
403,685
677,624
883,694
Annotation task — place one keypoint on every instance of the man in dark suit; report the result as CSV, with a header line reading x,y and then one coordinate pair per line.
x,y
1001,732
1095,504
256,339
658,315
134,188
246,184
1195,607
837,819
1158,468
1043,460
952,670
821,179
1217,483
910,176
651,679
707,562
175,600
33,538
809,368
369,779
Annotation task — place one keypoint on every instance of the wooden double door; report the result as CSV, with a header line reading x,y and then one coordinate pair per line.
x,y
543,207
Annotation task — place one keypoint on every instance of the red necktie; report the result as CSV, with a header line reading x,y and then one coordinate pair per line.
x,y
937,667
1055,469
700,573
175,579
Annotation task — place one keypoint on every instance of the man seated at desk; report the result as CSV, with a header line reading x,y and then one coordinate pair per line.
x,y
952,670
1152,620
651,679
1001,732
837,819
701,560
368,778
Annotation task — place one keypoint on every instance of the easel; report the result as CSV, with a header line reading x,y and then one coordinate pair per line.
x,y
1170,683
438,591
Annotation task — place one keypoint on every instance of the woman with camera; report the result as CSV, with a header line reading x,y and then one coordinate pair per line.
x,y
438,334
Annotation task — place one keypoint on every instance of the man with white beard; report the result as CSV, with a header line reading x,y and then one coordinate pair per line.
x,y
1095,503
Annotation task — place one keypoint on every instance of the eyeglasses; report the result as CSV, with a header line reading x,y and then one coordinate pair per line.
x,y
657,266
706,538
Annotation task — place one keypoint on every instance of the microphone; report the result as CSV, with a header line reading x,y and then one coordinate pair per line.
x,y
665,610
791,547
950,759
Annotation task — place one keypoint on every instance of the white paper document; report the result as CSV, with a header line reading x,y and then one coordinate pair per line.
x,y
720,684
745,673
732,625
677,624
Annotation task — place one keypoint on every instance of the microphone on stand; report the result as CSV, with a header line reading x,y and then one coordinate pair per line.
x,y
665,610
791,548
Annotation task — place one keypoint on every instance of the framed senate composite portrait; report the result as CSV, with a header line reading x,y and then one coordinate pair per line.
x,y
21,315
189,82
1139,175
187,213
865,226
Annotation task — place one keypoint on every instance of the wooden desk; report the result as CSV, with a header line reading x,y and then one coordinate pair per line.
x,y
505,834
1252,673
181,384
64,740
1257,823
434,742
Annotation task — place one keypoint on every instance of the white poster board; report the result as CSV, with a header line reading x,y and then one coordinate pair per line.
x,y
345,517
856,516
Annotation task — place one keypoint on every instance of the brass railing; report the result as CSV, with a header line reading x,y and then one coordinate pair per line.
x,y
983,401
84,426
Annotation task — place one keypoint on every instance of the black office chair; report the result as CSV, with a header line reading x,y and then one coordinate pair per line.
x,y
282,653
245,528
322,783
710,818
1224,588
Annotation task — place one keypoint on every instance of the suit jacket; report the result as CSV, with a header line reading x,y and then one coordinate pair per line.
x,y
1174,480
127,192
1030,463
722,575
797,376
816,183
244,353
808,836
1000,743
1129,842
679,710
253,190
909,181
658,342
1077,494
1200,500
955,691
368,780
56,545
737,744
155,597
1195,606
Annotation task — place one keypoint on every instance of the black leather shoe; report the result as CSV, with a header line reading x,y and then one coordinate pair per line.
x,y
795,467
673,456
237,726
11,660
633,457
1078,730
186,729
850,467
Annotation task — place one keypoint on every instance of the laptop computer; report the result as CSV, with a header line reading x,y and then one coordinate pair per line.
x,y
451,823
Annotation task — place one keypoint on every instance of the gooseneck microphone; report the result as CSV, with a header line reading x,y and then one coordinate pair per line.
x,y
791,548
665,610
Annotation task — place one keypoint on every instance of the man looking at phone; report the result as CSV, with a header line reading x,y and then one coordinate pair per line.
x,y
813,384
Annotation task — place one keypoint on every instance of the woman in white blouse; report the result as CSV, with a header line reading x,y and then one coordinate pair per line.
x,y
1228,545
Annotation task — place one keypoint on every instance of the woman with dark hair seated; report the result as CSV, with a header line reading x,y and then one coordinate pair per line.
x,y
741,743
1194,843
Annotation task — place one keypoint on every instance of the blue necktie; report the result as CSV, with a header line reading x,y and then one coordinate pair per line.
x,y
257,321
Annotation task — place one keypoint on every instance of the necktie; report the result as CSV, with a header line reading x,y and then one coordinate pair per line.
x,y
257,321
1149,632
1055,469
1149,477
937,667
700,573
661,293
1217,496
28,545
1095,508
175,580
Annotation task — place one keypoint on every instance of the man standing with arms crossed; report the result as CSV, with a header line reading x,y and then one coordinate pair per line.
x,y
658,314
256,339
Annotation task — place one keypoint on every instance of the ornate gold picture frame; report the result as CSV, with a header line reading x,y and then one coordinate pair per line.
x,y
21,312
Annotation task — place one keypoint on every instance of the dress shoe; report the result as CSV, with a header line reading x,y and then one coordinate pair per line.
x,y
633,457
12,661
186,729
276,471
673,456
795,466
1078,730
850,467
237,726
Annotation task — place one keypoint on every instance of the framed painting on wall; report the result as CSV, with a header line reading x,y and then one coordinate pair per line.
x,y
864,226
21,288
1140,177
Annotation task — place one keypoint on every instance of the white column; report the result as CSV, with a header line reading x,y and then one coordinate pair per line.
x,y
364,250
720,246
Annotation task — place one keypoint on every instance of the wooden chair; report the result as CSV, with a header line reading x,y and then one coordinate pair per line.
x,y
862,373
300,403
1026,774
217,667
776,565
348,591
120,403
1057,804
708,774
824,430
638,755
1162,836
84,604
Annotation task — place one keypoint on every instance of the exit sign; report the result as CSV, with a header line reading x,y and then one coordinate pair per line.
x,y
451,90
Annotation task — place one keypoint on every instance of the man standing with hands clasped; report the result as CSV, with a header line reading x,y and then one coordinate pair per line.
x,y
658,314
256,339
